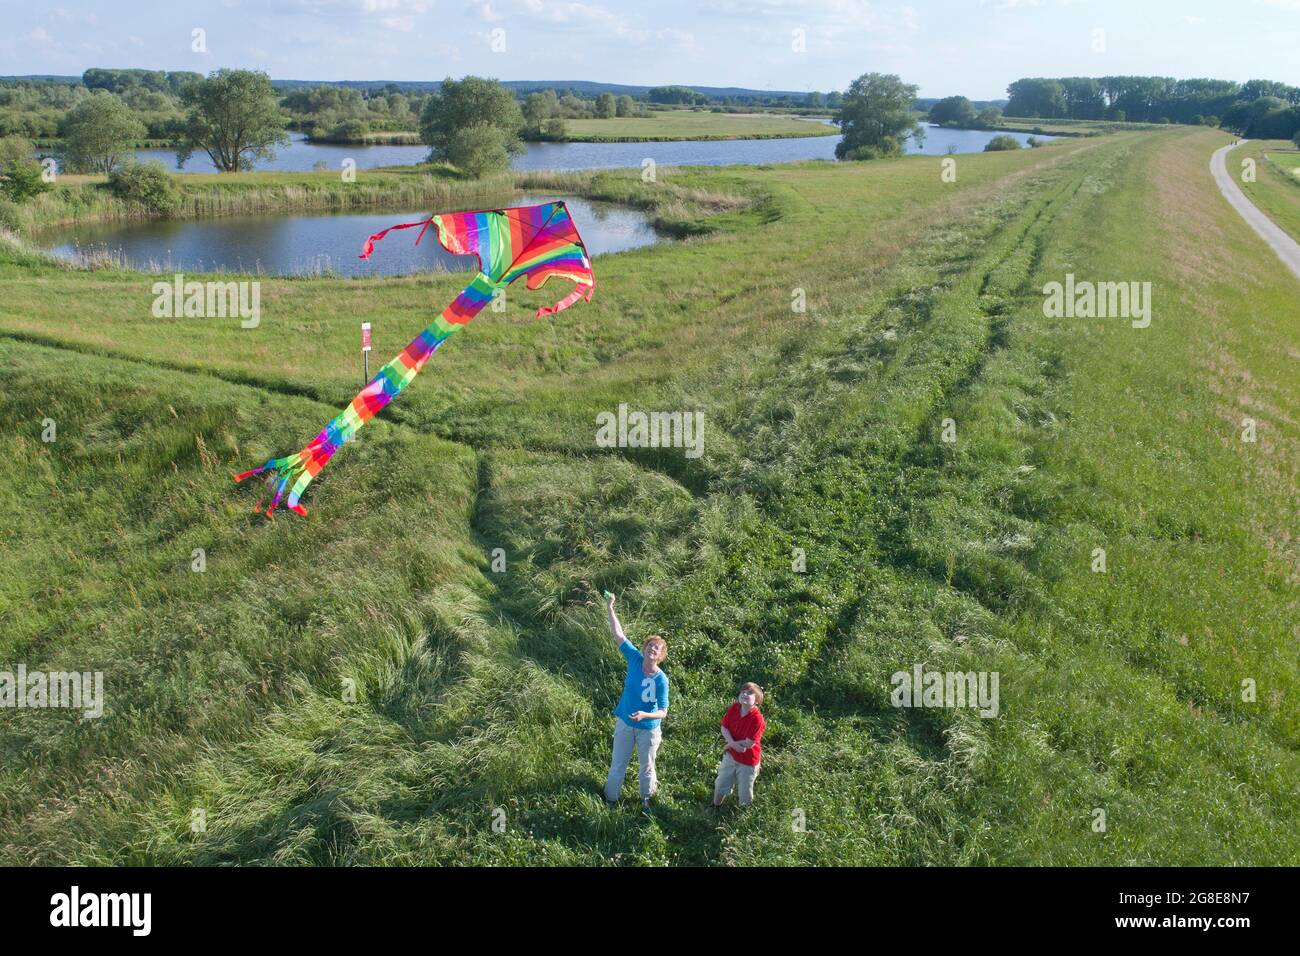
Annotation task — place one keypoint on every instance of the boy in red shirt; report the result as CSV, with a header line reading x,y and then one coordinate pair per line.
x,y
742,728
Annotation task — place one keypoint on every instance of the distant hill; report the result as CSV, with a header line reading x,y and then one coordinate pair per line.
x,y
45,77
586,88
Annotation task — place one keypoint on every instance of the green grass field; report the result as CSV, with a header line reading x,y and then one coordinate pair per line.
x,y
1072,127
1276,189
479,692
689,124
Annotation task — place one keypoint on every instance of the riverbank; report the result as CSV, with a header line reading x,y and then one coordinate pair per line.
x,y
391,138
87,199
673,210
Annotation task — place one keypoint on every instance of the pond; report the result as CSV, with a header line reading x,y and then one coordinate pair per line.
x,y
302,156
316,244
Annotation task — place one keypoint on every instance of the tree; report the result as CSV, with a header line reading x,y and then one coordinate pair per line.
x,y
814,100
477,149
1036,97
538,108
953,111
876,117
98,132
606,106
626,106
473,103
1254,89
555,130
234,117
989,117
571,107
676,96
1083,97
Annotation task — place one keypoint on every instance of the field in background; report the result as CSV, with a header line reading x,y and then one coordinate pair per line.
x,y
690,124
485,696
1074,127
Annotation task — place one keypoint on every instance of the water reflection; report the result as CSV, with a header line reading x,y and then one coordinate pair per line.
x,y
319,244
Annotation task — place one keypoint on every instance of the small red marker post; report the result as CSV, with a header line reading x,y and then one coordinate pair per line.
x,y
365,348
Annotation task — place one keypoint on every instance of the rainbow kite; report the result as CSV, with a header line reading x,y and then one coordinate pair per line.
x,y
533,241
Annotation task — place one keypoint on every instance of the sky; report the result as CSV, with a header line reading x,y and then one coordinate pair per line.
x,y
946,47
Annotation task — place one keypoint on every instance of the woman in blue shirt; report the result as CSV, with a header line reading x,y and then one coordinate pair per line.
x,y
642,706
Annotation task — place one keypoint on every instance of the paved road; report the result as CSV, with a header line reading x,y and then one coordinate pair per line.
x,y
1287,249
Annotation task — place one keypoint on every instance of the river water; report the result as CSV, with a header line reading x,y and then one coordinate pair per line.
x,y
321,243
302,156
318,244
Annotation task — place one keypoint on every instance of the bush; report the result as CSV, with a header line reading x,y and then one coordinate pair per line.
x,y
20,173
884,151
9,218
998,143
349,131
22,181
146,184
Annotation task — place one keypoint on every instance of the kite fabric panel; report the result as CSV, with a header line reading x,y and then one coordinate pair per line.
x,y
533,242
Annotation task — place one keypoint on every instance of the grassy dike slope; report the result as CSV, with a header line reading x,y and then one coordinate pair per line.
x,y
1119,691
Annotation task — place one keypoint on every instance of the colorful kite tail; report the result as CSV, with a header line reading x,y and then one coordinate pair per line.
x,y
294,472
530,242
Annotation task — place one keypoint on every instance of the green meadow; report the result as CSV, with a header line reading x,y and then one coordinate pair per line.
x,y
1276,188
917,467
691,124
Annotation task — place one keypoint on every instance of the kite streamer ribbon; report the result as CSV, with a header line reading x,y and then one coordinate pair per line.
x,y
532,242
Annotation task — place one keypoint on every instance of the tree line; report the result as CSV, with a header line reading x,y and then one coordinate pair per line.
x,y
1258,108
